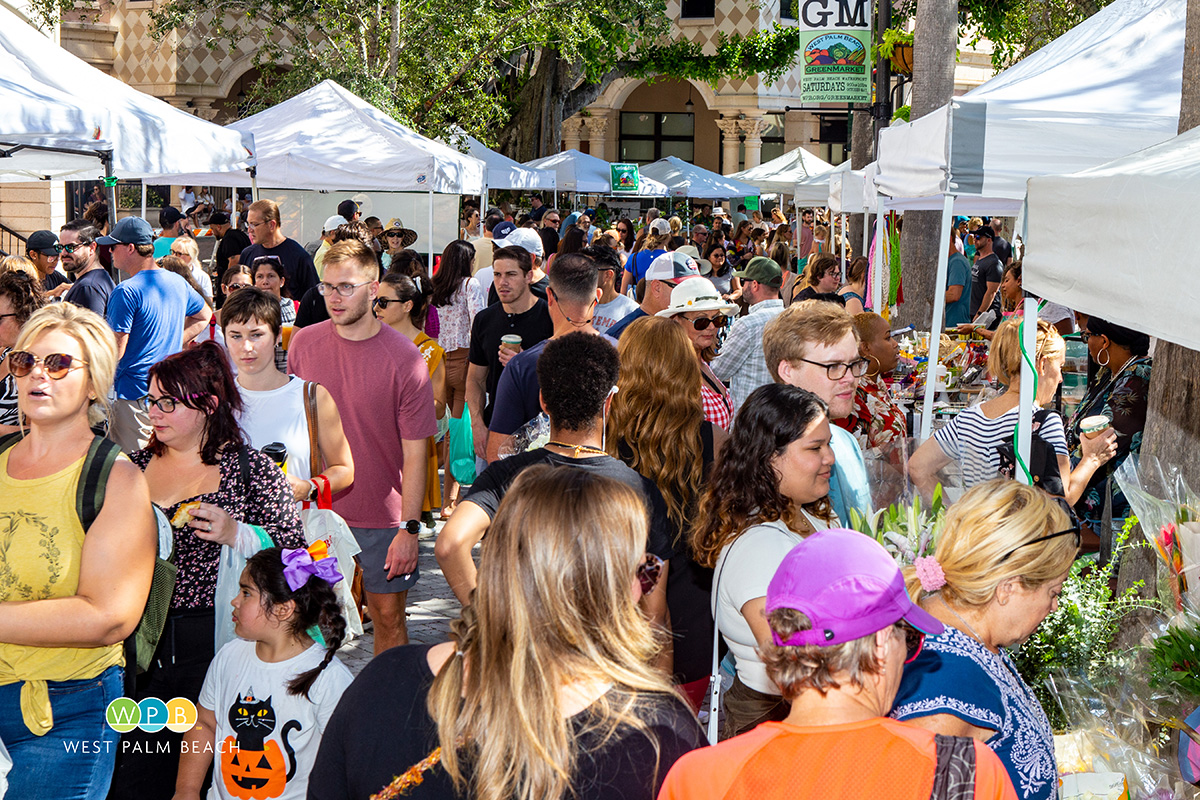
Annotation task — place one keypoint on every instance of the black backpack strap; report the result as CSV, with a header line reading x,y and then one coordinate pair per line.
x,y
954,775
93,479
7,442
244,466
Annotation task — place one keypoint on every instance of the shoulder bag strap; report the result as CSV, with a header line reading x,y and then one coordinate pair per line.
x,y
310,414
954,774
714,680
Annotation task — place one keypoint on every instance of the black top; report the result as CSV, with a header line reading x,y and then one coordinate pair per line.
x,y
537,287
987,269
389,695
490,487
689,585
91,290
810,293
297,263
232,244
1002,249
53,280
312,309
493,322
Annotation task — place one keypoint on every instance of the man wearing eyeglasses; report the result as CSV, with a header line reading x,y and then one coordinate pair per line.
x,y
262,223
814,345
153,314
382,387
93,285
42,249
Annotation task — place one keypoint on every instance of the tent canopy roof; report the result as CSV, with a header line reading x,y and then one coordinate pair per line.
x,y
53,99
688,180
586,174
505,173
783,173
328,138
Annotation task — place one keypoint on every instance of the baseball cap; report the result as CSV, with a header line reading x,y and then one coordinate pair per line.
x,y
347,209
697,294
847,585
218,218
42,242
660,226
503,229
984,230
169,216
525,238
332,223
672,267
131,230
763,270
703,264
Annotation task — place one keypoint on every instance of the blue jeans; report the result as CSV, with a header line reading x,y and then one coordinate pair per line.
x,y
74,761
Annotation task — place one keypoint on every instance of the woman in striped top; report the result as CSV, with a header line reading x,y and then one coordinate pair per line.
x,y
973,437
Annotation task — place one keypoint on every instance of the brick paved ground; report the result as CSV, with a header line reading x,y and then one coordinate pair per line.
x,y
431,607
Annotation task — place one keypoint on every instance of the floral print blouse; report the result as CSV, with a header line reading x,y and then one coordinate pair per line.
x,y
264,498
1123,398
877,418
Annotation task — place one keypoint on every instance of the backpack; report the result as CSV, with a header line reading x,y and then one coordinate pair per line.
x,y
1043,461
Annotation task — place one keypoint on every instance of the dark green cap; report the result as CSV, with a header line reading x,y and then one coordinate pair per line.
x,y
762,269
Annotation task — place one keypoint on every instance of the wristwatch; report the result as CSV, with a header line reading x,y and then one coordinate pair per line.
x,y
413,526
312,491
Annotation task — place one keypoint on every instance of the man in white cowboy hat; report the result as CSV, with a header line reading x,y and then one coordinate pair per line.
x,y
664,272
693,302
327,231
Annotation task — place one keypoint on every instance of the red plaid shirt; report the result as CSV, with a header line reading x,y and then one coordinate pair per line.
x,y
718,408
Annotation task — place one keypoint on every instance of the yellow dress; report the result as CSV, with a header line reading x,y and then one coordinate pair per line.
x,y
433,354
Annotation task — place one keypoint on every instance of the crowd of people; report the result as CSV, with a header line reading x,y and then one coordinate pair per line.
x,y
671,423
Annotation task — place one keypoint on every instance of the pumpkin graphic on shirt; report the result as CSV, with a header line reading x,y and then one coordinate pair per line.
x,y
252,766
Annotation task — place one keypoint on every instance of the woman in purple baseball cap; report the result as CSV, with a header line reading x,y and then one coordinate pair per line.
x,y
842,626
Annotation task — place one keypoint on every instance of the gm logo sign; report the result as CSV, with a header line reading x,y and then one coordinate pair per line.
x,y
151,715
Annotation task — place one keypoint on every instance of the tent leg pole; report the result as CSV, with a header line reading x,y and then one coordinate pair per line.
x,y
939,308
143,199
254,185
110,189
866,233
431,231
843,240
1025,415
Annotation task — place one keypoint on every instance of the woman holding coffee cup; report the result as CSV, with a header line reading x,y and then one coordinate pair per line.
x,y
1119,392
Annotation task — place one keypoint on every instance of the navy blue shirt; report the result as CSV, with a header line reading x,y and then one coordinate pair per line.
x,y
616,330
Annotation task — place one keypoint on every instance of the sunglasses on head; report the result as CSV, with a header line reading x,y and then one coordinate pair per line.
x,y
56,365
702,323
649,571
914,640
1069,531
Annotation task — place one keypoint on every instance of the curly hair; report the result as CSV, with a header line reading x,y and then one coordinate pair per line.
x,y
797,669
200,378
23,292
576,373
773,416
657,413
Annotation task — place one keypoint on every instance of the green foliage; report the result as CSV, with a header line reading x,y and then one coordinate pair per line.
x,y
906,530
129,195
1175,660
1078,637
903,112
887,43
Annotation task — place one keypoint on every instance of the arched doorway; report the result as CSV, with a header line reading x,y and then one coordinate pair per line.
x,y
668,118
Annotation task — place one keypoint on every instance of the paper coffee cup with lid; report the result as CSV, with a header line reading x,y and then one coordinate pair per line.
x,y
1094,425
511,341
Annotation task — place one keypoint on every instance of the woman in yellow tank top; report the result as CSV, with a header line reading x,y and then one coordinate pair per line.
x,y
66,600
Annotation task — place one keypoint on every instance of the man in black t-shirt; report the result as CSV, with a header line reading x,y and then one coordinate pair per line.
x,y
1000,246
985,274
519,312
262,220
93,285
578,375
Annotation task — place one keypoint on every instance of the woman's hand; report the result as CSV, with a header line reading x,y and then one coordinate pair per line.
x,y
1099,448
212,524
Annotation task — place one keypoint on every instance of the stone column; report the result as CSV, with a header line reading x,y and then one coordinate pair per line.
x,y
597,127
729,145
752,127
570,133
204,108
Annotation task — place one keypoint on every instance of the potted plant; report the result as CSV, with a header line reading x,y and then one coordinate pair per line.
x,y
897,46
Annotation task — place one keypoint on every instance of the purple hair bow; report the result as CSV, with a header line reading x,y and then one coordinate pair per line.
x,y
299,565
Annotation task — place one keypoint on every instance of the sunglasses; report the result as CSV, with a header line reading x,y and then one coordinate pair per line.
x,y
649,571
1073,530
69,248
56,365
394,234
702,323
384,302
914,640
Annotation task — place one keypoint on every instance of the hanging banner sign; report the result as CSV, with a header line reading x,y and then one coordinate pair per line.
x,y
625,178
835,44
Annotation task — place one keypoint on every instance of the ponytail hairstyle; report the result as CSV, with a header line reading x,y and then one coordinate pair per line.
x,y
316,604
416,289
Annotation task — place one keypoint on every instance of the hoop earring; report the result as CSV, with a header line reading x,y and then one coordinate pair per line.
x,y
876,372
1107,357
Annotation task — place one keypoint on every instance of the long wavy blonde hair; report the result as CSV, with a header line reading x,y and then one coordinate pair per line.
x,y
553,607
657,413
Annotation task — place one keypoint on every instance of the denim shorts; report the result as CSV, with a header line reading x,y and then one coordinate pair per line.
x,y
74,761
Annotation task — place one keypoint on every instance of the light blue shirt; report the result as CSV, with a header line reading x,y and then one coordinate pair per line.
x,y
848,486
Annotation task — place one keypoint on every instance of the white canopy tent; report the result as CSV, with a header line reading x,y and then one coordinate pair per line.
x,y
1152,190
814,190
586,174
783,173
688,180
66,120
505,173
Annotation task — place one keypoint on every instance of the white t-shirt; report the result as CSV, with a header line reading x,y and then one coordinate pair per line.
x,y
187,199
752,560
263,733
486,276
278,416
613,312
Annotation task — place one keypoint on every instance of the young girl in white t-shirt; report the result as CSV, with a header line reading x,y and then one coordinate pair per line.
x,y
269,694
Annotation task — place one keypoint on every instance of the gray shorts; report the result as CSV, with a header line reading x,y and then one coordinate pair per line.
x,y
374,543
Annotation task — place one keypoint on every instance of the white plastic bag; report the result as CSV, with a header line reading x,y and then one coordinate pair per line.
x,y
250,539
5,766
321,523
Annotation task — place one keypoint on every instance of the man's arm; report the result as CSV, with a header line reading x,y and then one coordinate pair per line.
x,y
476,400
953,293
464,530
122,341
193,324
988,294
402,553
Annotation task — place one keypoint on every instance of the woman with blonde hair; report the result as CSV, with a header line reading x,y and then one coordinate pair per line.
x,y
187,250
20,296
676,226
67,607
779,459
999,567
656,425
545,689
21,264
974,437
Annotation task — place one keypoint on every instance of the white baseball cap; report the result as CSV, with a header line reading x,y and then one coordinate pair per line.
x,y
525,238
660,226
332,223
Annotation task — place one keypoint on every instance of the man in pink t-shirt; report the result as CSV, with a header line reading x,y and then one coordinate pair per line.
x,y
382,388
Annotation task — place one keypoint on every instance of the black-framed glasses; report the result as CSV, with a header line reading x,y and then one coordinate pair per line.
x,y
1072,530
702,323
914,640
384,302
166,404
56,365
344,289
649,571
838,369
